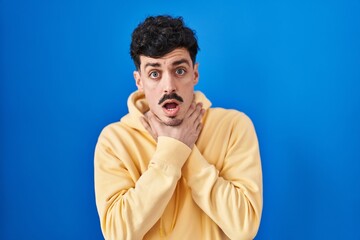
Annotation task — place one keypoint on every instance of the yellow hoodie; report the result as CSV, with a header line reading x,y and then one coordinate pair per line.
x,y
165,190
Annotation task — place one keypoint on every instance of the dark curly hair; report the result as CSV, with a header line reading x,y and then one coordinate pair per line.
x,y
159,35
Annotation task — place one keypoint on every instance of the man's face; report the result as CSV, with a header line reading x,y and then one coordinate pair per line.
x,y
168,84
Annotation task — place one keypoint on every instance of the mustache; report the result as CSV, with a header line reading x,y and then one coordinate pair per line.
x,y
170,96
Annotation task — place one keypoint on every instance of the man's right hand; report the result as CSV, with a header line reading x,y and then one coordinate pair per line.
x,y
187,132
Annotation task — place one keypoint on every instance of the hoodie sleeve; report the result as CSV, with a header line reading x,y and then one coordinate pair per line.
x,y
128,208
231,197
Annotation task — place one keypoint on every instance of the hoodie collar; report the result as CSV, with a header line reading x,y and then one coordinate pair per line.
x,y
138,105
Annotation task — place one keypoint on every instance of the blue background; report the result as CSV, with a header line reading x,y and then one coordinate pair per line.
x,y
292,66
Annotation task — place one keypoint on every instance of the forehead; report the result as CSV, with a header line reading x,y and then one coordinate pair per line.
x,y
166,60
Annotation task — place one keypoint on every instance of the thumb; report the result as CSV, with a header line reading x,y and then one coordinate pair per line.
x,y
147,126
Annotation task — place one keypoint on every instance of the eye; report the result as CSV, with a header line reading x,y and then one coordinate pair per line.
x,y
180,71
154,74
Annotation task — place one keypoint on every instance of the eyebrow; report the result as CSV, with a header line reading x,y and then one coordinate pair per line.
x,y
152,65
176,63
181,61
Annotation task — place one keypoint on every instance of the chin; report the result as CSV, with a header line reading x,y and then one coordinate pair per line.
x,y
172,122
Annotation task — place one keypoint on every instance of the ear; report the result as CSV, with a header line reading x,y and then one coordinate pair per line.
x,y
138,81
196,73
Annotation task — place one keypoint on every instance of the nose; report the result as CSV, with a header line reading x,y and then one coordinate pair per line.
x,y
169,85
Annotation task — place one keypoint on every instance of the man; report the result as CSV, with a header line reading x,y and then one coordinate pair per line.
x,y
174,168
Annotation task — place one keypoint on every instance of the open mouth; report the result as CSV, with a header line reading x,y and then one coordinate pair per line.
x,y
171,108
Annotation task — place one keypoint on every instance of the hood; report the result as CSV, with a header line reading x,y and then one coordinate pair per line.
x,y
138,105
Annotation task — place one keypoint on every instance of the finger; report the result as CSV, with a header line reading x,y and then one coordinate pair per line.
x,y
148,127
196,111
198,129
200,116
155,123
197,114
190,111
153,118
145,123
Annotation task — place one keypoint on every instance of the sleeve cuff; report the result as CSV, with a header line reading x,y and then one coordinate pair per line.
x,y
170,155
195,164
